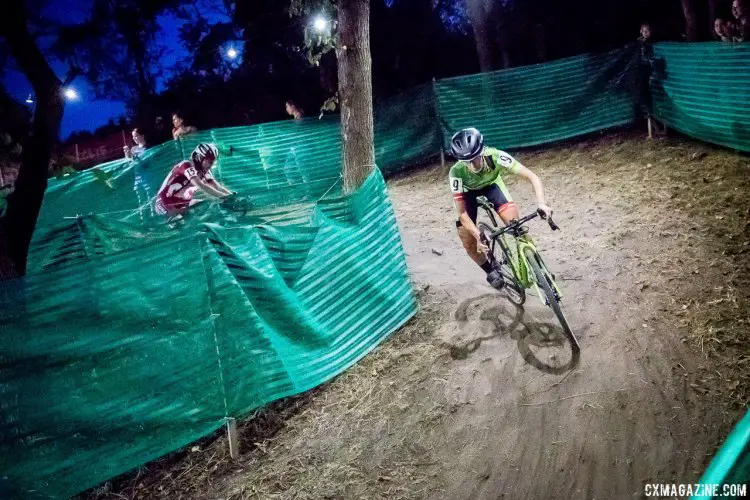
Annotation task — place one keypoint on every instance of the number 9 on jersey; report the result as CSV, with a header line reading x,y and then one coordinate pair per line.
x,y
457,185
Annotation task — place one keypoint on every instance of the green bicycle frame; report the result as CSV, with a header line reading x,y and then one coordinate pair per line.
x,y
518,261
520,265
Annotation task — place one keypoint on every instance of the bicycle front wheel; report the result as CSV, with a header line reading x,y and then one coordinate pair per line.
x,y
545,282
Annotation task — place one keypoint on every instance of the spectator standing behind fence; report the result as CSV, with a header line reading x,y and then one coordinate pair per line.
x,y
141,184
644,78
293,171
742,21
180,128
644,74
645,33
136,151
293,110
725,30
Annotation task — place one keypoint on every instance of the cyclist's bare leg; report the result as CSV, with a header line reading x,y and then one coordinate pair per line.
x,y
470,245
508,212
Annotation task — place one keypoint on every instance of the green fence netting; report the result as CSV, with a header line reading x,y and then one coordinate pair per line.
x,y
131,337
414,114
703,91
543,103
731,465
273,164
143,339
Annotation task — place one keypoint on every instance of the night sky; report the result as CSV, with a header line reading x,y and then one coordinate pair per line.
x,y
88,113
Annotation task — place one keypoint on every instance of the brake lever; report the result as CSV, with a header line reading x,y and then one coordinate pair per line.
x,y
552,225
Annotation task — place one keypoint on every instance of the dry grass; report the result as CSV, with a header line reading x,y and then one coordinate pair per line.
x,y
327,443
369,435
693,200
372,432
189,472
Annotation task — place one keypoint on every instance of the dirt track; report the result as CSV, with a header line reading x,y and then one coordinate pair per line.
x,y
462,404
627,413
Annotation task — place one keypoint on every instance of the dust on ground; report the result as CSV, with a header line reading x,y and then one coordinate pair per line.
x,y
468,401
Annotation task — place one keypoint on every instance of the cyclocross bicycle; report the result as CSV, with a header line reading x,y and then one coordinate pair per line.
x,y
231,205
523,267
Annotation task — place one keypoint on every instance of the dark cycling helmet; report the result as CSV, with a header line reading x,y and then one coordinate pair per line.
x,y
204,151
467,144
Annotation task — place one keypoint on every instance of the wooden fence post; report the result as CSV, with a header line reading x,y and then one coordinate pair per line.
x,y
234,442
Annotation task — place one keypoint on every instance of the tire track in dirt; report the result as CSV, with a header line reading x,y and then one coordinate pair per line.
x,y
461,403
625,415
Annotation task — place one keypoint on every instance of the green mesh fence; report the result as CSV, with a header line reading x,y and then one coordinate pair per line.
x,y
138,339
131,338
273,164
731,465
543,103
703,90
414,115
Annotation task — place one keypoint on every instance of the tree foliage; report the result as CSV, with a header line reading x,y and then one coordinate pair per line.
x,y
318,40
116,47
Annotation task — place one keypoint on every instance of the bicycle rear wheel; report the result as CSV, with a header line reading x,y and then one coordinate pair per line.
x,y
513,288
544,281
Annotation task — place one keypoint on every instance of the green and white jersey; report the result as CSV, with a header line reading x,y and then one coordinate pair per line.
x,y
496,164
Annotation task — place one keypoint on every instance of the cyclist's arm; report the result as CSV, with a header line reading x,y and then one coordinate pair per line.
x,y
456,184
466,221
463,215
208,188
215,184
535,182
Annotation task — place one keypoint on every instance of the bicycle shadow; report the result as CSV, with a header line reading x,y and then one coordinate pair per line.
x,y
494,316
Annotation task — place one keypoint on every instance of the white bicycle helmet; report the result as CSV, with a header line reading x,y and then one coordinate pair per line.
x,y
204,151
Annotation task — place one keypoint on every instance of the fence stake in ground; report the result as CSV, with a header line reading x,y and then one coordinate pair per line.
x,y
234,442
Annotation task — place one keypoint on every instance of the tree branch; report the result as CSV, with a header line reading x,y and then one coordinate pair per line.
x,y
73,73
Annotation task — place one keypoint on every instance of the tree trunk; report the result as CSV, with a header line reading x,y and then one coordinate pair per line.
x,y
711,18
540,39
416,41
355,92
328,74
17,227
691,31
479,12
144,87
498,16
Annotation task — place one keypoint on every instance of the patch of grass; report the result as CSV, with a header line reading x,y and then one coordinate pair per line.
x,y
369,435
326,443
694,200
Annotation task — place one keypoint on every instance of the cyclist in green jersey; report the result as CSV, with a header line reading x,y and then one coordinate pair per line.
x,y
479,172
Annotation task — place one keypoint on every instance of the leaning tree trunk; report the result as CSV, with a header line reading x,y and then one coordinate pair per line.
x,y
355,92
691,28
17,227
480,17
